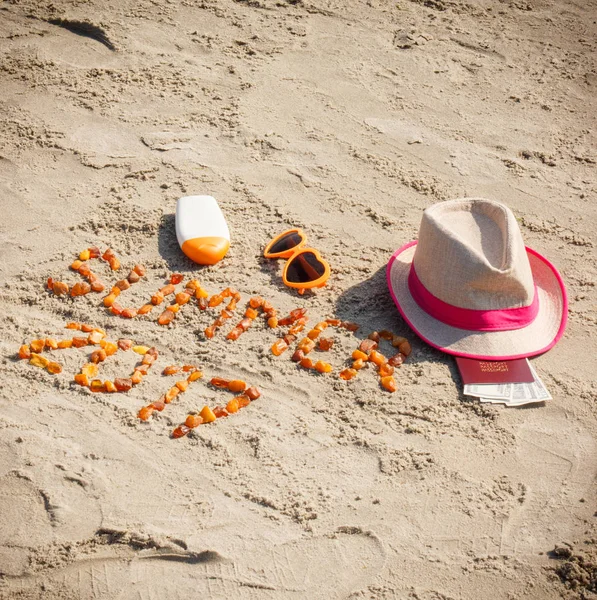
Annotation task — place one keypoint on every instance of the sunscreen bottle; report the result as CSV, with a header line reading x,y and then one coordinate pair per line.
x,y
201,229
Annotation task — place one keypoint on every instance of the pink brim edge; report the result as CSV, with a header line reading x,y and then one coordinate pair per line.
x,y
559,334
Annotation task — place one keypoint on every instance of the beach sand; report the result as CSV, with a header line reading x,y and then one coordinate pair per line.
x,y
346,119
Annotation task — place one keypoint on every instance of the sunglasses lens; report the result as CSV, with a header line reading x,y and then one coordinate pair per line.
x,y
304,268
286,242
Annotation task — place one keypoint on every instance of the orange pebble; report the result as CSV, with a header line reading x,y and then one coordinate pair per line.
x,y
386,335
116,308
220,412
60,288
82,379
253,393
129,313
333,322
358,354
405,348
54,368
94,252
171,394
146,308
306,345
313,334
159,405
180,431
176,278
76,264
236,385
251,313
139,269
232,406
97,286
125,344
84,269
182,298
72,325
157,298
98,356
349,326
307,363
133,277
90,369
24,351
385,369
215,300
171,370
296,329
137,377
243,401
367,345
389,383
114,263
145,412
210,332
245,324
377,358
166,317
323,367
80,289
298,355
167,289
110,348
194,376
109,300
110,387
193,421
348,374
97,385
84,255
79,342
182,385
397,340
234,334
321,326
255,302
325,343
219,382
358,364
95,337
207,415
123,384
63,344
51,343
38,345
278,347
272,322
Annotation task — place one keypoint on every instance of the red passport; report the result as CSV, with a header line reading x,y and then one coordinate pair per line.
x,y
494,371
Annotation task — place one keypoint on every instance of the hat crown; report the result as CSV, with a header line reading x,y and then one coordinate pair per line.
x,y
470,254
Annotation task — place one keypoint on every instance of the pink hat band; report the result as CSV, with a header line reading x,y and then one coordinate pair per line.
x,y
465,318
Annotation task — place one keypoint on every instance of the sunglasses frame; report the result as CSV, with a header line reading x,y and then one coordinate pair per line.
x,y
293,253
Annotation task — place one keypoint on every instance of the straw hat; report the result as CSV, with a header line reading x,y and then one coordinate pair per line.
x,y
470,287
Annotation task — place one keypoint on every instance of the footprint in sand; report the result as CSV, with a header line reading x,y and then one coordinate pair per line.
x,y
312,568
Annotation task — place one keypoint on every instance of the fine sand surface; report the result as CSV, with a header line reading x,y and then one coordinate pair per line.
x,y
346,118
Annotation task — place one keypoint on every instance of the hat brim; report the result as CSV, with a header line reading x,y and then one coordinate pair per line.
x,y
538,337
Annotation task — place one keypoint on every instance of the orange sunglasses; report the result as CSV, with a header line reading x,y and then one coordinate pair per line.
x,y
305,267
